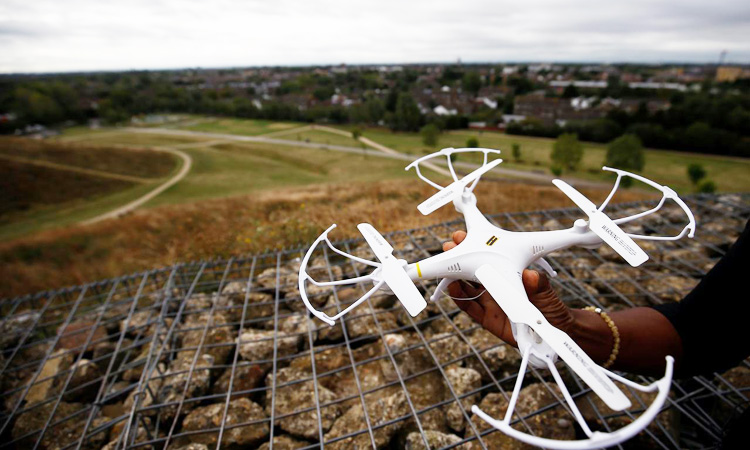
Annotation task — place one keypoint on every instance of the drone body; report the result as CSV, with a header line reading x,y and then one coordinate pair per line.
x,y
496,258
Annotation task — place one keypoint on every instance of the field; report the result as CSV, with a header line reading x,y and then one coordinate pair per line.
x,y
665,167
286,217
240,126
49,185
240,197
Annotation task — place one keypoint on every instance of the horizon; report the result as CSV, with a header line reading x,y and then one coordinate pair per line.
x,y
388,64
83,36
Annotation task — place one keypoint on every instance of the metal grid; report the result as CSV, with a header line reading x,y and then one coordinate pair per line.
x,y
219,353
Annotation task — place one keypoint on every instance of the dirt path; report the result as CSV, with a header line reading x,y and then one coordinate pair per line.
x,y
380,147
514,173
76,169
187,162
291,131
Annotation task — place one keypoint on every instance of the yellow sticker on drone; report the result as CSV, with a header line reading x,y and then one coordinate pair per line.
x,y
492,241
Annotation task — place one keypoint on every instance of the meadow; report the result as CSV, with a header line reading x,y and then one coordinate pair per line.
x,y
664,166
246,197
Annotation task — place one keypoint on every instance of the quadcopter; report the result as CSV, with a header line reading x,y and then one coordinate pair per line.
x,y
495,258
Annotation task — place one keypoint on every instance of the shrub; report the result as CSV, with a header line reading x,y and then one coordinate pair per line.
x,y
516,149
556,170
567,151
430,134
472,142
707,187
696,173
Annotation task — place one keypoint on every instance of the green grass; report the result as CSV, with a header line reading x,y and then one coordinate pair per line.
x,y
245,127
662,166
68,213
242,168
322,137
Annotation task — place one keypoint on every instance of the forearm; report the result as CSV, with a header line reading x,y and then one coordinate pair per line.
x,y
646,338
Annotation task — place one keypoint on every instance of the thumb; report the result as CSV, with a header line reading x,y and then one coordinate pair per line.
x,y
540,292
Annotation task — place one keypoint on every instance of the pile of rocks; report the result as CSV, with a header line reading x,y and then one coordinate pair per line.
x,y
157,369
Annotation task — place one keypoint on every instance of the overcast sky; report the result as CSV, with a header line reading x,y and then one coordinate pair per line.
x,y
84,35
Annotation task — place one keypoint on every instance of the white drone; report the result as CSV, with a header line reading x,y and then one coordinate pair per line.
x,y
496,258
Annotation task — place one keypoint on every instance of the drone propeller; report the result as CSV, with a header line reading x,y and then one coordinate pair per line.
x,y
392,271
604,227
448,193
514,302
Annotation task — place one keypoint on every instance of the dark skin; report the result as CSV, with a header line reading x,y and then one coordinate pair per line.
x,y
646,336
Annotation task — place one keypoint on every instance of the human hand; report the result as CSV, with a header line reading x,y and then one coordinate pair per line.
x,y
486,312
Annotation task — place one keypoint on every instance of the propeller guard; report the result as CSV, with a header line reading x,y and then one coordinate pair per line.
x,y
595,439
667,193
447,152
304,276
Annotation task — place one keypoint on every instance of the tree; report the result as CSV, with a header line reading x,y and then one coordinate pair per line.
x,y
430,134
516,149
567,152
570,91
472,82
626,152
407,116
472,142
696,173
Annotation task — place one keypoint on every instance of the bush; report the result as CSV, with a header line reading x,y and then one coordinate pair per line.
x,y
626,153
556,170
707,187
516,149
696,173
472,142
356,133
567,152
430,134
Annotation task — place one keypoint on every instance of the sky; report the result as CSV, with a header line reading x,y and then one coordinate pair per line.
x,y
85,35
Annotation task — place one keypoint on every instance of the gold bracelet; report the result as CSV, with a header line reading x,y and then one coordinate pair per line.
x,y
615,334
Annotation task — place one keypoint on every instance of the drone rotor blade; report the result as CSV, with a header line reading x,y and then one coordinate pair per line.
x,y
579,199
515,303
447,194
393,272
604,227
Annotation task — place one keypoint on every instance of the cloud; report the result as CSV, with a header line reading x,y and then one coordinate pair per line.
x,y
80,35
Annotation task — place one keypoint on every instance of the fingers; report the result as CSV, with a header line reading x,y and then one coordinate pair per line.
x,y
458,237
448,245
473,309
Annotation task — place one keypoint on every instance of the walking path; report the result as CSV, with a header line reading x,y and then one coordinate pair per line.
x,y
187,162
392,154
76,169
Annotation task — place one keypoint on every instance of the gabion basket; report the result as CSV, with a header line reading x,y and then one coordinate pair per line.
x,y
223,354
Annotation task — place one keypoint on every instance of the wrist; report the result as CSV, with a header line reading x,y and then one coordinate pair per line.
x,y
593,334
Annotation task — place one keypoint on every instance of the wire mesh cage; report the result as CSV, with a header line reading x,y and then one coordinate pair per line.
x,y
224,354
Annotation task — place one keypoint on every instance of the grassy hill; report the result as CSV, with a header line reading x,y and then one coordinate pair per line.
x,y
47,184
664,166
241,197
274,218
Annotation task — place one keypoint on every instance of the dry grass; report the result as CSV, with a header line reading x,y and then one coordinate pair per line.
x,y
289,217
138,162
25,186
